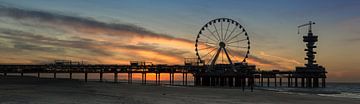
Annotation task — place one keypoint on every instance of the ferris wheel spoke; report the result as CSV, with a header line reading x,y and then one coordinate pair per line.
x,y
209,52
231,33
227,29
235,36
208,43
206,40
237,46
209,38
221,29
208,47
231,55
212,33
212,58
217,31
222,57
236,41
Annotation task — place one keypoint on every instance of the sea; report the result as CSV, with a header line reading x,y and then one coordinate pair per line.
x,y
332,89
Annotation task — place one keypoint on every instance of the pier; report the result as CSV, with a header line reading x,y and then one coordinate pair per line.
x,y
218,63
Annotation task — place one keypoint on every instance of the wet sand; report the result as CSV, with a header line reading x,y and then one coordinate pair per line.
x,y
29,90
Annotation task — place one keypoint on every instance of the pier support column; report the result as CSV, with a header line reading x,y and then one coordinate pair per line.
x,y
280,81
143,78
86,76
231,81
38,75
206,81
268,81
197,80
237,81
186,78
115,76
252,82
101,75
316,83
22,74
170,78
302,82
296,82
249,81
309,82
222,81
70,75
183,78
173,78
212,81
156,78
289,82
130,77
55,74
262,81
159,78
243,83
275,81
323,83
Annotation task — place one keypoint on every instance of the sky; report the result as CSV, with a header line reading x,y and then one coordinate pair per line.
x,y
164,31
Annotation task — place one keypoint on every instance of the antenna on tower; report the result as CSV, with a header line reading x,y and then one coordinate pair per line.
x,y
307,24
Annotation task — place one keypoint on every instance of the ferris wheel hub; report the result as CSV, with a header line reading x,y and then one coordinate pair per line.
x,y
222,44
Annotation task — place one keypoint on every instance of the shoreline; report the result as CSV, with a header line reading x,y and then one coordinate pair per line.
x,y
48,90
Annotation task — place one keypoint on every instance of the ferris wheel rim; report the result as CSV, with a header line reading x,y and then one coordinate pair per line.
x,y
226,20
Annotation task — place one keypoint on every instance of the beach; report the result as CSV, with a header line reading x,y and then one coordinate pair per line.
x,y
30,90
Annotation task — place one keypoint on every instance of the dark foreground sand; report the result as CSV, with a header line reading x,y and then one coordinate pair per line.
x,y
60,91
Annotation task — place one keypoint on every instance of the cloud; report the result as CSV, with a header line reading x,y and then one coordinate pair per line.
x,y
353,40
81,24
21,37
280,62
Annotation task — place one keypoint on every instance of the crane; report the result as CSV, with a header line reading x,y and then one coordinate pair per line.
x,y
307,24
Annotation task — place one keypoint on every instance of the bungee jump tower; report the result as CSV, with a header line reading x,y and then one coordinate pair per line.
x,y
311,72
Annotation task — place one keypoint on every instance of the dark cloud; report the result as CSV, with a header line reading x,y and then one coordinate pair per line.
x,y
77,22
21,36
32,47
26,41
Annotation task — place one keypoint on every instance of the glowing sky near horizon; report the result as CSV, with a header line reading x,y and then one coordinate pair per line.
x,y
163,31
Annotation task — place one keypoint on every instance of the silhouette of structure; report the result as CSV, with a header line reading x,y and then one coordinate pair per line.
x,y
222,47
219,37
312,72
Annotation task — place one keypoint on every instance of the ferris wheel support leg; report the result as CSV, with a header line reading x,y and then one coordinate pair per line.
x,y
216,56
227,55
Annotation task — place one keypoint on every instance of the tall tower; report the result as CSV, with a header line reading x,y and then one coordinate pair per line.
x,y
310,41
312,72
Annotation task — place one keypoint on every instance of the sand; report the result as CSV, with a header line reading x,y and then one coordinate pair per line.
x,y
29,90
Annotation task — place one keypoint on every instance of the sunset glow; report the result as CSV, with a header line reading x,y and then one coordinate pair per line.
x,y
116,33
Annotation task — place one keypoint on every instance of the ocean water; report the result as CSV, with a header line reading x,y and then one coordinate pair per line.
x,y
347,90
350,90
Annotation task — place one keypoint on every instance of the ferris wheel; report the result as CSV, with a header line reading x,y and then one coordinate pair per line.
x,y
222,41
